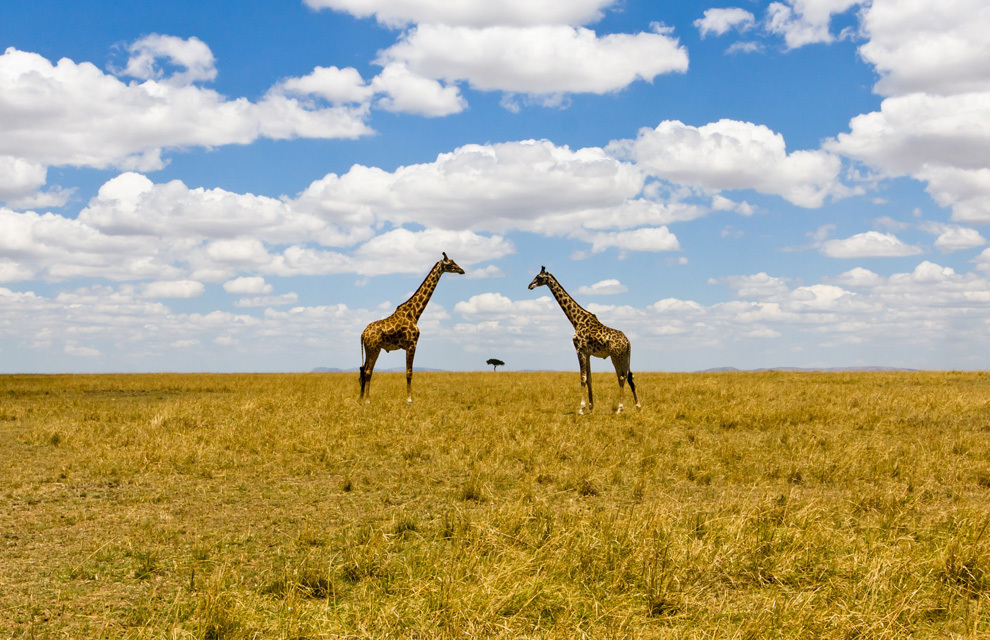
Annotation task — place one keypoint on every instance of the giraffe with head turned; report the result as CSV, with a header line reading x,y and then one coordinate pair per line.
x,y
591,338
399,330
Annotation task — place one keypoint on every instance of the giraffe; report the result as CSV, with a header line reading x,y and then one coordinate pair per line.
x,y
591,338
399,330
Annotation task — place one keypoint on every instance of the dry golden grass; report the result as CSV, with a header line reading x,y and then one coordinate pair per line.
x,y
777,505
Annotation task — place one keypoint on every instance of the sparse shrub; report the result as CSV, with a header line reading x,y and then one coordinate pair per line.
x,y
147,564
313,583
657,578
215,616
404,526
586,488
967,567
472,490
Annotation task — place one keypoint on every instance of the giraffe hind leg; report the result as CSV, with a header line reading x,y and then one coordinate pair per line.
x,y
587,368
362,378
632,387
622,372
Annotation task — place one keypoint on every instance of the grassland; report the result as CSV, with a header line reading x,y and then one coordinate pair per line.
x,y
772,505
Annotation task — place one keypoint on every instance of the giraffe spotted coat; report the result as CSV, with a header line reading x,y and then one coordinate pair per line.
x,y
399,330
591,338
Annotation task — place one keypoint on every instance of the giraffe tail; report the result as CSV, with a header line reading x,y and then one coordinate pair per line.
x,y
632,385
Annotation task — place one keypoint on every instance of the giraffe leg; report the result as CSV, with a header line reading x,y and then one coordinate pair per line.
x,y
587,369
584,380
410,354
632,387
366,370
621,367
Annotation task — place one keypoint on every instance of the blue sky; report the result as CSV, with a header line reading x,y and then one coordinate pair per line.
x,y
244,186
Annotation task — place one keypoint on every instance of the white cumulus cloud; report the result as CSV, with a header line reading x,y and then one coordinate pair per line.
x,y
395,89
966,191
919,133
57,248
859,277
489,271
268,301
871,244
21,182
73,114
804,22
729,154
959,239
339,86
253,285
407,92
721,21
760,285
932,47
472,13
173,289
650,239
193,56
536,60
530,185
609,287
405,251
933,124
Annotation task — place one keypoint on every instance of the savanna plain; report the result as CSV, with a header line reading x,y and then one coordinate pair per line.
x,y
735,505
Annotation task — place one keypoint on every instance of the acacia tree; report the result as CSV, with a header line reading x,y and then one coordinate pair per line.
x,y
495,362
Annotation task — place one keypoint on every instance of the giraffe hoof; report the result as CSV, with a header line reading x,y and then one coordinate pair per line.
x,y
408,400
638,406
619,410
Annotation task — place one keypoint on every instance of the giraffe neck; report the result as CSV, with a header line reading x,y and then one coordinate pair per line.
x,y
574,312
417,303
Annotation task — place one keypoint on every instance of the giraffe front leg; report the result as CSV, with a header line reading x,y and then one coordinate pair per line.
x,y
410,354
366,370
584,380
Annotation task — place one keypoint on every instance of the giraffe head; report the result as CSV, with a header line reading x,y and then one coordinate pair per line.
x,y
541,279
449,266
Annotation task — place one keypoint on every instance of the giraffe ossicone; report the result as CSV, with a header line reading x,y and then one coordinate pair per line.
x,y
399,330
591,338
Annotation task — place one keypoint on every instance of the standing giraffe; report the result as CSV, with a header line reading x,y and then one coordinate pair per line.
x,y
399,330
591,338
